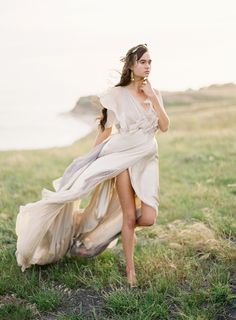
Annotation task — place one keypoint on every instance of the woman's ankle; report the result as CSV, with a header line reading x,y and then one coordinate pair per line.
x,y
130,269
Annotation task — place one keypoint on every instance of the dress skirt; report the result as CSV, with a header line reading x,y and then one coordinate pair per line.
x,y
56,225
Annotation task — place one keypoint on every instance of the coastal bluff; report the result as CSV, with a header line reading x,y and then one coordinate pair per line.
x,y
88,108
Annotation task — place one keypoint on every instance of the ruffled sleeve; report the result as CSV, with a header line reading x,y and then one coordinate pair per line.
x,y
108,99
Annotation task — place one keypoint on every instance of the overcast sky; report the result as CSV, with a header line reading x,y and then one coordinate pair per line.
x,y
53,51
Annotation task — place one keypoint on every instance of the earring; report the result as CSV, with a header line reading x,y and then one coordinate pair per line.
x,y
131,76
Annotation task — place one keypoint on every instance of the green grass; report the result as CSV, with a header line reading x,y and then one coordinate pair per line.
x,y
185,264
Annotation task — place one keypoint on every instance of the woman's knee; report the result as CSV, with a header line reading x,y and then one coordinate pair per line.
x,y
148,216
147,221
150,221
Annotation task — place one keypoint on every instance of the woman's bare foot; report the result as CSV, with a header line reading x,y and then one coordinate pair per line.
x,y
131,278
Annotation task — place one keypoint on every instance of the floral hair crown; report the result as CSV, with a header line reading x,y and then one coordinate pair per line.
x,y
123,59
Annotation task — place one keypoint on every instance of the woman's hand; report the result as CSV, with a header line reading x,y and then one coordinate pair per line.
x,y
147,88
157,102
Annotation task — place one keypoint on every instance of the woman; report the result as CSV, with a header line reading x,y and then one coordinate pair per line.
x,y
120,173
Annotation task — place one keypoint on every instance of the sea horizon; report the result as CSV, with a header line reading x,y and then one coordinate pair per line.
x,y
35,128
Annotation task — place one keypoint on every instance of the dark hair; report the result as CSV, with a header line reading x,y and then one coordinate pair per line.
x,y
133,54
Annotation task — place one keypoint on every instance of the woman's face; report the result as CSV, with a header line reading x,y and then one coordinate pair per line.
x,y
142,67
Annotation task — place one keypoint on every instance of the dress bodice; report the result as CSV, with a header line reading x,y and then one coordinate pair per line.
x,y
130,115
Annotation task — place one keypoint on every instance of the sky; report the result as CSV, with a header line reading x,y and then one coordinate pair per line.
x,y
54,51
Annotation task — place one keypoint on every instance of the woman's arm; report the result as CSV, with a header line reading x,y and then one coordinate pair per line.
x,y
102,135
163,119
156,99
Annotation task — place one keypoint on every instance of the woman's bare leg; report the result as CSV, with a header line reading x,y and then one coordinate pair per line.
x,y
148,216
126,196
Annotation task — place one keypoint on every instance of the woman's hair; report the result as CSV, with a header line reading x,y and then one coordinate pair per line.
x,y
133,54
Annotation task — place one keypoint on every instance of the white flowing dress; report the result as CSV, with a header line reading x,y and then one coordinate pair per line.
x,y
56,225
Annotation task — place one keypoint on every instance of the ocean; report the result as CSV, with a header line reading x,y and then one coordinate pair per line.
x,y
25,128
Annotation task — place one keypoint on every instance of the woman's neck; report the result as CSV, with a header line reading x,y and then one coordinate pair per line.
x,y
136,84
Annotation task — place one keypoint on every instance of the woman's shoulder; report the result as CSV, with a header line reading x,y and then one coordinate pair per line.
x,y
109,97
111,92
158,92
114,89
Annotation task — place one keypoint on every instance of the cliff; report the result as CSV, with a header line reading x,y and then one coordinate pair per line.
x,y
88,107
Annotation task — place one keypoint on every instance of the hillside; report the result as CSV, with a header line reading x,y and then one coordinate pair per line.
x,y
88,107
185,262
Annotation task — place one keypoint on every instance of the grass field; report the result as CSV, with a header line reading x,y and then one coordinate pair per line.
x,y
185,264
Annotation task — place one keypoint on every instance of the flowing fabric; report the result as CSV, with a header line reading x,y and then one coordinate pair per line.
x,y
56,225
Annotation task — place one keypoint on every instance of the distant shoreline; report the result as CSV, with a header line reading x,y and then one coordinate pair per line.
x,y
22,140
